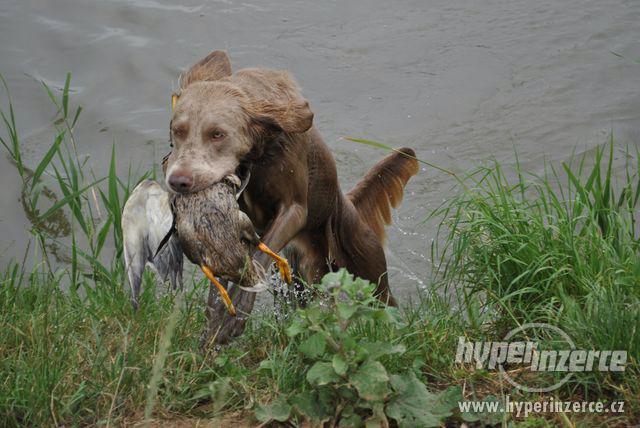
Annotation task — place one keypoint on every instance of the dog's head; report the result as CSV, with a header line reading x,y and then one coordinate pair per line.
x,y
219,119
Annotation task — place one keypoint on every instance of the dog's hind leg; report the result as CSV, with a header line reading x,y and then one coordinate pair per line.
x,y
356,247
358,230
314,263
367,260
308,255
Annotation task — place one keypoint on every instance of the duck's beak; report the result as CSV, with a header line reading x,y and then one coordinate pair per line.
x,y
238,183
223,292
243,184
283,264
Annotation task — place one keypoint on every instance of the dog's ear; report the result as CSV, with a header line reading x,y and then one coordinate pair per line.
x,y
214,66
280,104
292,116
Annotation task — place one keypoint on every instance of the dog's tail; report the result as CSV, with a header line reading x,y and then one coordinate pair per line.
x,y
382,189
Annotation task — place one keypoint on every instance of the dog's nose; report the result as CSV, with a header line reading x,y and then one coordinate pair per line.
x,y
180,182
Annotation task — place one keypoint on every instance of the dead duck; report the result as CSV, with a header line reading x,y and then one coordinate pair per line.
x,y
217,236
208,227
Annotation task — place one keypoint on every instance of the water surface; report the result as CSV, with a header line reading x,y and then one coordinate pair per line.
x,y
461,82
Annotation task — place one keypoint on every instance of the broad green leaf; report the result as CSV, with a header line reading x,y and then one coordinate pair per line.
x,y
413,405
375,350
417,365
311,405
336,279
279,410
349,418
221,360
219,391
350,421
339,364
371,381
347,393
389,315
321,373
296,328
451,396
378,419
314,314
346,310
313,346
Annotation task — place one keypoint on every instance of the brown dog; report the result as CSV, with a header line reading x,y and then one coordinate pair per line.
x,y
257,119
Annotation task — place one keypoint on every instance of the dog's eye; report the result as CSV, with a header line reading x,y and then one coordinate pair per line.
x,y
179,133
216,135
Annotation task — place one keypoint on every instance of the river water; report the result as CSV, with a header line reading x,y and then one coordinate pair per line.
x,y
461,82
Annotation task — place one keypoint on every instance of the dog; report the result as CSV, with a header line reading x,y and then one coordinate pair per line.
x,y
256,120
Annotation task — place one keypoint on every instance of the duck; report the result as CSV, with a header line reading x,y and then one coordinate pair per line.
x,y
207,227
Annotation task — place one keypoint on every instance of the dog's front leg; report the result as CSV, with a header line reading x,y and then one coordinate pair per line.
x,y
289,221
287,224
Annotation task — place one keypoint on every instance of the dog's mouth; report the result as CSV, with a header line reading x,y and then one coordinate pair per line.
x,y
238,180
243,172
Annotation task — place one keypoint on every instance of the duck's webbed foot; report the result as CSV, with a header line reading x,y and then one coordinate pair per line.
x,y
282,263
223,292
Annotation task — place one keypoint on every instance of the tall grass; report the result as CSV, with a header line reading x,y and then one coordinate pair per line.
x,y
561,248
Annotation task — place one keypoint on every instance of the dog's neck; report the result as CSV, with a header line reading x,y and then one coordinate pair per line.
x,y
266,150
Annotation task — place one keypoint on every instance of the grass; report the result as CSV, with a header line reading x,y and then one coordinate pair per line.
x,y
561,248
513,248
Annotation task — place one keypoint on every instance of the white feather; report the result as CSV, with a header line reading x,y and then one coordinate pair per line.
x,y
146,220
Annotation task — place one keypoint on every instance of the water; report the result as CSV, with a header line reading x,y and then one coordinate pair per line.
x,y
459,81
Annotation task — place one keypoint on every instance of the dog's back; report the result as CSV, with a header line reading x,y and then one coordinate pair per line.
x,y
355,233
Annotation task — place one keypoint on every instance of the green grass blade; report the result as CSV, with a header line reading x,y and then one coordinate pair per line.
x,y
47,159
65,95
77,115
379,145
61,203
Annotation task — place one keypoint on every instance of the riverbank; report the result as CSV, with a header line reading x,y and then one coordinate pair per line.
x,y
511,249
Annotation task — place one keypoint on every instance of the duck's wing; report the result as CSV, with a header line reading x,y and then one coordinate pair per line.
x,y
247,231
171,231
146,220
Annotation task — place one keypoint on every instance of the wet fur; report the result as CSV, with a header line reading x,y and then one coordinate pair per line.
x,y
382,188
293,198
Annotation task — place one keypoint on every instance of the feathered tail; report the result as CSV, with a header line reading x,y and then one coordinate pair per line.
x,y
382,189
